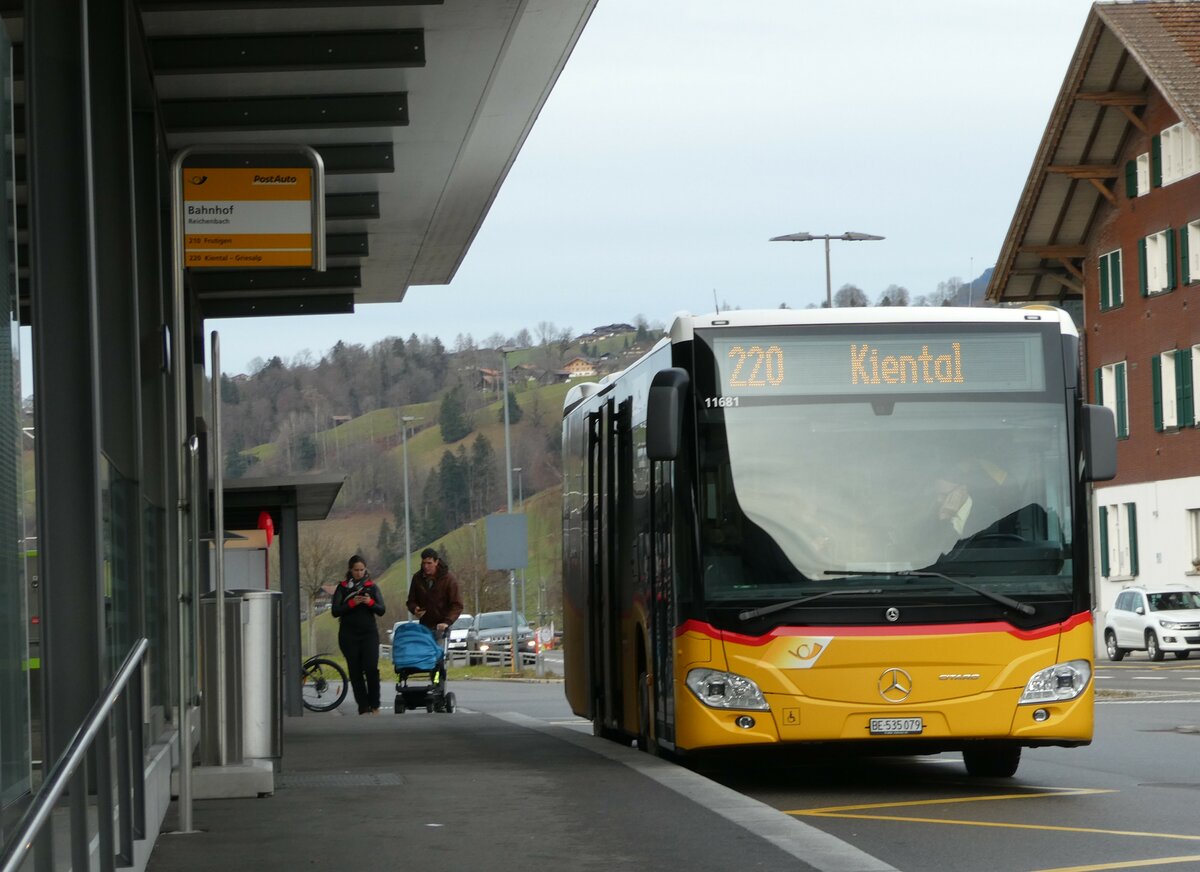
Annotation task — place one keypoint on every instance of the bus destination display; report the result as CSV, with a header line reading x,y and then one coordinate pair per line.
x,y
815,365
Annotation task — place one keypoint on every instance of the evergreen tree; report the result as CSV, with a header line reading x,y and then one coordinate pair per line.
x,y
454,487
385,545
453,415
430,521
514,410
230,395
483,476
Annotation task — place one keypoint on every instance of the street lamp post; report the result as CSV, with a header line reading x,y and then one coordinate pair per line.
x,y
505,350
848,236
405,420
521,507
474,565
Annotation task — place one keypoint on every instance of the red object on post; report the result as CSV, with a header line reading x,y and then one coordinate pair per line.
x,y
266,525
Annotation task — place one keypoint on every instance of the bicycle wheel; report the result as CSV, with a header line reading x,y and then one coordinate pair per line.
x,y
323,685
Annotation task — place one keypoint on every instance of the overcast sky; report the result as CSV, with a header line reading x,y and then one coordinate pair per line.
x,y
683,134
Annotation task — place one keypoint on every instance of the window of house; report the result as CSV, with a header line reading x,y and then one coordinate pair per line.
x,y
1157,253
1194,527
1118,540
1111,392
1195,380
1112,293
1173,375
1143,174
1189,255
1180,153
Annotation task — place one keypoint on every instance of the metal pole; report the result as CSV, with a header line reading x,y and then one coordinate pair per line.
x,y
407,542
178,359
219,545
512,576
475,565
828,281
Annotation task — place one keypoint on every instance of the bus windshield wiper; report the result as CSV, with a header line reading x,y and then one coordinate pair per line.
x,y
779,607
1023,608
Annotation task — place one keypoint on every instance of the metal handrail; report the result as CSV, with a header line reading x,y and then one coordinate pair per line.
x,y
18,847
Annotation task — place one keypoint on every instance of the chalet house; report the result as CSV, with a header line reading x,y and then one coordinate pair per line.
x,y
606,330
488,379
578,367
1108,226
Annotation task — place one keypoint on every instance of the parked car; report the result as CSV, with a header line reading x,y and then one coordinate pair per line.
x,y
492,631
1154,619
458,633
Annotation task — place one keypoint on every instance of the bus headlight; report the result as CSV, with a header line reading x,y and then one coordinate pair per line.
x,y
725,690
1058,683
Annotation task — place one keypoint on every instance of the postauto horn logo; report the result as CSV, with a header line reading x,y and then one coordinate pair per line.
x,y
807,650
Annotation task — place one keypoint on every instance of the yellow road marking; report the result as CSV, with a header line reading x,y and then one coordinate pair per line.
x,y
830,811
849,811
1126,864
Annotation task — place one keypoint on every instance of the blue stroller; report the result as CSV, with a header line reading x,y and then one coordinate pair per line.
x,y
415,653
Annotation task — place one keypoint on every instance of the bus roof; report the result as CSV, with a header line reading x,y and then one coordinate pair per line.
x,y
685,325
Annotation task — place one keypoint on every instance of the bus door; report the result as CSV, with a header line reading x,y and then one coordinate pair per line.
x,y
604,583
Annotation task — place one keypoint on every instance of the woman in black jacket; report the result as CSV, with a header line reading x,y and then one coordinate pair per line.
x,y
356,603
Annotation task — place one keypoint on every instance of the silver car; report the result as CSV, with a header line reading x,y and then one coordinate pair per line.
x,y
492,631
1154,619
458,633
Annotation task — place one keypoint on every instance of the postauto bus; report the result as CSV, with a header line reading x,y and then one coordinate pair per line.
x,y
862,526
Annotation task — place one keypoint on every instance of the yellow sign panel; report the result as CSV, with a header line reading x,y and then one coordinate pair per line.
x,y
244,218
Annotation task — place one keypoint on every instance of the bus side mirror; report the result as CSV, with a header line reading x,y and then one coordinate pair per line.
x,y
664,413
1099,443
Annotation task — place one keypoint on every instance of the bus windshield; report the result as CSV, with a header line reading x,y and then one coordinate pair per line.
x,y
811,485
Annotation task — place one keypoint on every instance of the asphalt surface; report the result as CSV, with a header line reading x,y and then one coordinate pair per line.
x,y
499,791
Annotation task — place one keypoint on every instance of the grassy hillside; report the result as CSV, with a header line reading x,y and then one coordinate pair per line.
x,y
466,550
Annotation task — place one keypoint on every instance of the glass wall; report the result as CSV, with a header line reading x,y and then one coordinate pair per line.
x,y
15,755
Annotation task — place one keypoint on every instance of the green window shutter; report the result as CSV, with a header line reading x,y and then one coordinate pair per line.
x,y
1105,284
1104,568
1143,284
1156,162
1156,387
1099,377
1131,178
1133,537
1170,260
1183,388
1185,271
1122,402
1117,279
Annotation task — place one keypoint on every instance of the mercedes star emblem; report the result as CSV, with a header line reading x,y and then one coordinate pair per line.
x,y
895,685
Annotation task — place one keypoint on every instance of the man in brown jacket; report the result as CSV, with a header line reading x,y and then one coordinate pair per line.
x,y
433,596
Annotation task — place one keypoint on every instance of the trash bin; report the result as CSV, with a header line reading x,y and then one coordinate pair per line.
x,y
253,711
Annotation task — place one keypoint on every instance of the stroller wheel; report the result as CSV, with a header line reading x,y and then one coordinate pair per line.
x,y
448,705
429,707
399,706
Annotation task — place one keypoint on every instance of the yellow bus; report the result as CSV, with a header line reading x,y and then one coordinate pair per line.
x,y
865,527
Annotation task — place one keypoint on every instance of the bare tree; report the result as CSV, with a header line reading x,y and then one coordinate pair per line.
x,y
947,292
320,563
894,295
848,296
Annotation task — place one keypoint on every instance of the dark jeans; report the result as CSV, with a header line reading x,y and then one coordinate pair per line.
x,y
362,662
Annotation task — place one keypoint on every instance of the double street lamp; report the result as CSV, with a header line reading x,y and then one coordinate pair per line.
x,y
848,236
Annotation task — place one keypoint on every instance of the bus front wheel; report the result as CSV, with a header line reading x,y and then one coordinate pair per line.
x,y
992,760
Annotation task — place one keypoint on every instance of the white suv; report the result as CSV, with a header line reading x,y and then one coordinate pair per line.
x,y
1154,619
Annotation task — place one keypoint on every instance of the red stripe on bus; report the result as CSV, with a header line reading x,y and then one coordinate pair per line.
x,y
707,629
